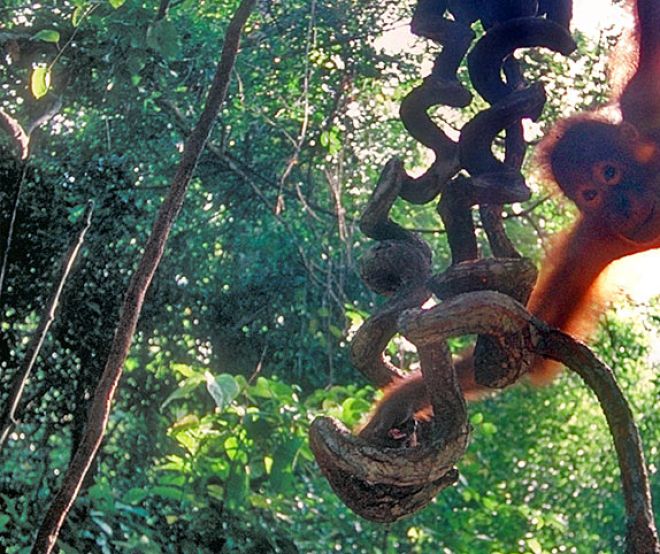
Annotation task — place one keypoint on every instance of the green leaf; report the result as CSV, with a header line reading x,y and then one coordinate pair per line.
x,y
185,389
40,81
134,496
262,388
223,389
330,140
188,421
76,212
77,15
105,528
488,429
184,369
282,478
116,3
162,37
535,546
237,486
171,493
47,35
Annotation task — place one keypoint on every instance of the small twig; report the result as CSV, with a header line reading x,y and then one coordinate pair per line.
x,y
8,419
61,51
12,223
258,367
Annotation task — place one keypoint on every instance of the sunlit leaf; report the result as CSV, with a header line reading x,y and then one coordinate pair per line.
x,y
47,35
77,15
185,389
223,389
116,3
535,546
40,81
186,422
184,369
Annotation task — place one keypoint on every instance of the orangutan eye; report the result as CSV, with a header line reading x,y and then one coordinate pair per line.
x,y
607,173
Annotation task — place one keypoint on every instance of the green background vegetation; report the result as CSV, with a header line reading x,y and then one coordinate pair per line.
x,y
244,337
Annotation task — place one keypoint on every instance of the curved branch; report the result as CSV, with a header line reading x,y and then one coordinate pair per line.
x,y
641,536
495,182
397,267
486,58
19,138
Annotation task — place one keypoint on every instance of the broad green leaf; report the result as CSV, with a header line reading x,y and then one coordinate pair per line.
x,y
185,389
268,388
188,421
134,496
167,492
223,389
281,477
184,369
47,35
233,449
116,3
40,81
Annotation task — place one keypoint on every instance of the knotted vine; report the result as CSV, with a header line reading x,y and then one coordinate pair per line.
x,y
483,296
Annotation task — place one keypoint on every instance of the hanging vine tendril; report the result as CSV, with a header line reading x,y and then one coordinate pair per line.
x,y
384,484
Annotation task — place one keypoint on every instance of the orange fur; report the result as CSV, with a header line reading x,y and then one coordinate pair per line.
x,y
612,173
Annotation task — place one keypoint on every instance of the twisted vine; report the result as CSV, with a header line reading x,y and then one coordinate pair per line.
x,y
486,297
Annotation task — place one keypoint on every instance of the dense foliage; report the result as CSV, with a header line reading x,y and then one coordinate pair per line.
x,y
244,338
